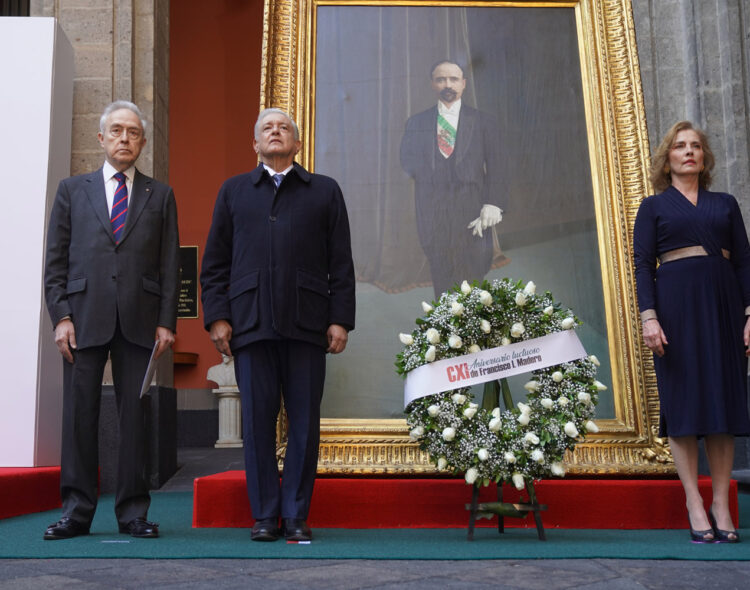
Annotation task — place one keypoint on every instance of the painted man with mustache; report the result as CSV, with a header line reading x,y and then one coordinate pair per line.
x,y
451,150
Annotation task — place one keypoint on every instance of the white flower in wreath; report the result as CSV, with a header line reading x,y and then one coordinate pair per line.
x,y
485,326
530,288
600,386
584,397
469,413
568,323
591,426
557,468
524,408
547,403
537,455
495,413
521,298
571,430
523,419
495,424
549,310
594,360
432,335
485,298
465,288
483,454
442,463
471,475
433,411
416,432
509,457
531,437
563,401
426,307
458,398
454,341
474,348
430,354
531,386
449,433
517,330
557,376
518,481
505,341
406,339
457,309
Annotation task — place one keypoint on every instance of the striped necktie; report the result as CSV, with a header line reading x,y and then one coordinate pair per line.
x,y
446,136
277,178
119,207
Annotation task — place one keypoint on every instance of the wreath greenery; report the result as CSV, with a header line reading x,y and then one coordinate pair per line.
x,y
518,444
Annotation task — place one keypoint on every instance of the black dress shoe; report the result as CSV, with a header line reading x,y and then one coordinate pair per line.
x,y
141,528
722,536
65,528
265,529
296,529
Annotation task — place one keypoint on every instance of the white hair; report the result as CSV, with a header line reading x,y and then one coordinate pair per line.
x,y
265,112
116,106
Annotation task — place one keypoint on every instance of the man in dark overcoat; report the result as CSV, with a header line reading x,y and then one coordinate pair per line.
x,y
278,293
111,285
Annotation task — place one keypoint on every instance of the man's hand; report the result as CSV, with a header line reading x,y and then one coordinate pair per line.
x,y
337,338
65,338
746,336
221,334
654,336
164,338
488,216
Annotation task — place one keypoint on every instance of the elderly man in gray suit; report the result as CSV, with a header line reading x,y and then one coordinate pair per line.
x,y
111,285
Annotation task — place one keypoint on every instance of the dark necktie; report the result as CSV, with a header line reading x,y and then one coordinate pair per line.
x,y
119,207
277,178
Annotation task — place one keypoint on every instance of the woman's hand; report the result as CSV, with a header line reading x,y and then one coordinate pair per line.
x,y
655,339
746,336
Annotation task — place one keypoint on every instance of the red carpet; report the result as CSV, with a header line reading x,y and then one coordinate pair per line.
x,y
28,489
221,501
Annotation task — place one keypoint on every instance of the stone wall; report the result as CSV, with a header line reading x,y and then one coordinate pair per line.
x,y
695,64
121,51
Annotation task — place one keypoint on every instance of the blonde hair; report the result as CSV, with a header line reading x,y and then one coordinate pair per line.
x,y
661,176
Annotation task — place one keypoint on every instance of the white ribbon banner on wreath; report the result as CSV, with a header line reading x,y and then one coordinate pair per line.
x,y
492,364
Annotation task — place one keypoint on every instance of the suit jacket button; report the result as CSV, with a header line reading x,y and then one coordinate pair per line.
x,y
272,218
114,277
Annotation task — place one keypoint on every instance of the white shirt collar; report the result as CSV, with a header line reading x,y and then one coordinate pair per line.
x,y
109,171
271,171
450,110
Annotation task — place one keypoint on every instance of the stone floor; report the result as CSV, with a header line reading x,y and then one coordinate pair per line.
x,y
582,574
609,574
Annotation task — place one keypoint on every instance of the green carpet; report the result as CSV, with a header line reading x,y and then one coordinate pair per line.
x,y
21,537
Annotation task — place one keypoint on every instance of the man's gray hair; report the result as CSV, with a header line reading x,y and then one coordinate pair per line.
x,y
265,112
116,106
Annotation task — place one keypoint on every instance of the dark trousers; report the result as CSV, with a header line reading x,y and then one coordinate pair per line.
x,y
264,369
82,389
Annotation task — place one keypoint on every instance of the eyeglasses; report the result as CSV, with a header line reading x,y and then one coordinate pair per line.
x,y
132,132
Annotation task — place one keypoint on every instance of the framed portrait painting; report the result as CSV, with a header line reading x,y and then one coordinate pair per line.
x,y
543,138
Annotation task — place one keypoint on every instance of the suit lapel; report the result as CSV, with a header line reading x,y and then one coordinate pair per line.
x,y
142,191
466,124
98,198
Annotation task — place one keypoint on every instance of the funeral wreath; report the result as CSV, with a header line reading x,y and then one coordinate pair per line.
x,y
520,444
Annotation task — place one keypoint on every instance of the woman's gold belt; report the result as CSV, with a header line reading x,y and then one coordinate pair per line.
x,y
686,252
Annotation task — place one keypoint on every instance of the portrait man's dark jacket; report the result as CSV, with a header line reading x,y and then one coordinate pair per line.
x,y
477,165
92,279
279,266
449,194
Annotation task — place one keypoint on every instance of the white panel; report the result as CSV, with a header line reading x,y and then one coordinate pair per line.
x,y
36,66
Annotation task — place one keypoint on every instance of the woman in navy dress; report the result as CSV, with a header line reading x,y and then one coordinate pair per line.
x,y
693,312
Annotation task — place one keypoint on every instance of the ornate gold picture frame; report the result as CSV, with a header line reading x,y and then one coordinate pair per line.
x,y
617,147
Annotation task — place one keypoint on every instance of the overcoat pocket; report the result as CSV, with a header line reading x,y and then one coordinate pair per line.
x,y
243,302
